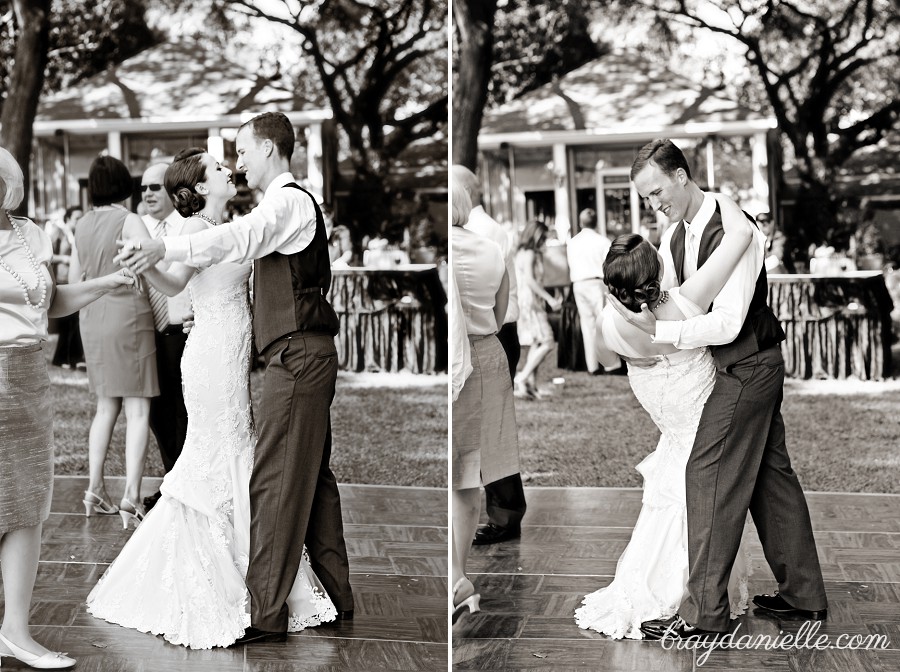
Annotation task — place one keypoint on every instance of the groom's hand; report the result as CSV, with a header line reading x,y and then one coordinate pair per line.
x,y
139,255
645,320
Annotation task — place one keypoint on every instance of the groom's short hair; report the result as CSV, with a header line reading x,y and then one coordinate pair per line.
x,y
662,153
276,127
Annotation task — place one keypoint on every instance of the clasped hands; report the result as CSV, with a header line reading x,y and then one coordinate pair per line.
x,y
139,255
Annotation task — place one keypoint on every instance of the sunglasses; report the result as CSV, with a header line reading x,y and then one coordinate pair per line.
x,y
151,187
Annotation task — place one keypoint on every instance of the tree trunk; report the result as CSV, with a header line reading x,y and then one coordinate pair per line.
x,y
475,25
26,82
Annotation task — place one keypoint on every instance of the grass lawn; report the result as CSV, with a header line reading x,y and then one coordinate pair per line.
x,y
388,429
843,436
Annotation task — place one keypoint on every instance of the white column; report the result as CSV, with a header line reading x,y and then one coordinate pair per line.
x,y
760,166
114,144
314,157
710,164
215,144
563,224
600,196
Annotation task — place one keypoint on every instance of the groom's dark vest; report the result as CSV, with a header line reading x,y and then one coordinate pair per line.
x,y
289,289
761,328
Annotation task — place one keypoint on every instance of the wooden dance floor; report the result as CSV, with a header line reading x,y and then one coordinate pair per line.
x,y
571,540
397,541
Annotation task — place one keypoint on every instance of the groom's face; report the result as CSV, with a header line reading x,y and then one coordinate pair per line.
x,y
665,193
251,156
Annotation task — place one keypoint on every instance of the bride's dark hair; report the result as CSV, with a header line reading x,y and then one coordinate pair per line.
x,y
631,271
181,180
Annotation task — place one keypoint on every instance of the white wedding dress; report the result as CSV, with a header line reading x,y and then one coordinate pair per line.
x,y
652,572
181,575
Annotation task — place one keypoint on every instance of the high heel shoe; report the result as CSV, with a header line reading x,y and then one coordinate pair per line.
x,y
131,512
464,597
49,661
96,504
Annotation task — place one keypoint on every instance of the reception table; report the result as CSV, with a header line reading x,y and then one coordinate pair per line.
x,y
836,326
391,319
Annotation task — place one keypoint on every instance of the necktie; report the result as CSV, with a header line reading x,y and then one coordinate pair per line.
x,y
690,252
159,302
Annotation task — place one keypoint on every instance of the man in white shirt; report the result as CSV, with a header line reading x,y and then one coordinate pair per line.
x,y
504,499
294,497
168,416
586,251
739,459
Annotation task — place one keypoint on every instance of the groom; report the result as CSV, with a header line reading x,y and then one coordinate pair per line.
x,y
293,493
739,460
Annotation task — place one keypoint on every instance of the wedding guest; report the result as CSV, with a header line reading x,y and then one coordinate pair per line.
x,y
69,351
586,251
776,245
505,498
534,327
28,297
168,416
118,338
485,446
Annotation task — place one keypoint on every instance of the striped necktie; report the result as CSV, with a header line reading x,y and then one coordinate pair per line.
x,y
159,302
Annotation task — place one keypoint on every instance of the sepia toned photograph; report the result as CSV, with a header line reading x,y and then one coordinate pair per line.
x,y
675,256
223,335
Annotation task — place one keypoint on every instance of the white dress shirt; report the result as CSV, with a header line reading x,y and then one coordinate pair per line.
x,y
180,304
586,251
284,221
723,323
484,225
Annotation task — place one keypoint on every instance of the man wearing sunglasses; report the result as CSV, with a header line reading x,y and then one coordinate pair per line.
x,y
168,416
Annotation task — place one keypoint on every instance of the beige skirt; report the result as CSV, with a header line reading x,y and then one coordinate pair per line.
x,y
485,443
26,447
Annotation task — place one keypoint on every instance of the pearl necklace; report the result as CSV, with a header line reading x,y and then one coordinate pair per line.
x,y
206,219
663,297
41,282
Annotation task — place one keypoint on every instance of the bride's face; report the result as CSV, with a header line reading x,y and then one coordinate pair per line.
x,y
218,181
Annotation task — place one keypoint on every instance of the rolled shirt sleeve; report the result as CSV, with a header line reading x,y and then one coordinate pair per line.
x,y
284,221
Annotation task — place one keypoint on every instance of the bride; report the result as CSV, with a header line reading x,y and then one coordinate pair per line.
x,y
181,575
672,386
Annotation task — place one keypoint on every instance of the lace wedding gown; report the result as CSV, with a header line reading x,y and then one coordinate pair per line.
x,y
652,572
181,575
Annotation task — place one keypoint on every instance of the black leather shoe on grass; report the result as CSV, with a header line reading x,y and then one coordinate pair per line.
x,y
494,534
775,604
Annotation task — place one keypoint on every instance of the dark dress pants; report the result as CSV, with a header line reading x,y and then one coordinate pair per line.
x,y
505,499
293,493
168,416
739,462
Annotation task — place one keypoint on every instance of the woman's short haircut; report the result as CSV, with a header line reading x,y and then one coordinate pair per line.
x,y
181,180
11,174
109,181
631,271
461,203
276,127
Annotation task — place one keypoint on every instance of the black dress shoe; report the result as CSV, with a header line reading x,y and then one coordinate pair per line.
x,y
346,615
775,604
676,628
494,534
252,635
151,500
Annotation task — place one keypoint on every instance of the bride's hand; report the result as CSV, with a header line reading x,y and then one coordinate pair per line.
x,y
645,320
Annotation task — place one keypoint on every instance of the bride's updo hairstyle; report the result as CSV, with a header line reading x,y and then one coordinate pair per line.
x,y
181,181
631,271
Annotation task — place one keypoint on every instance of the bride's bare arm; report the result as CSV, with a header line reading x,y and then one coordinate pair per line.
x,y
707,282
171,279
